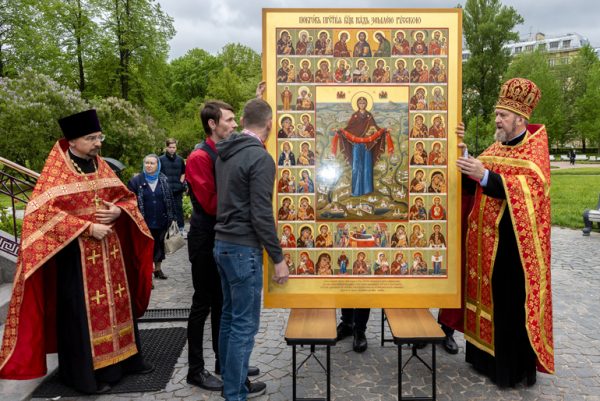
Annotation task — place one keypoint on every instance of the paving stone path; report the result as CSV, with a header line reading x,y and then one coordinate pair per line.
x,y
372,376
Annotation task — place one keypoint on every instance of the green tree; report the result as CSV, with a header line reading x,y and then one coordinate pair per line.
x,y
22,36
139,32
131,133
487,27
30,106
244,63
577,77
73,36
187,128
226,86
189,76
241,60
587,118
551,108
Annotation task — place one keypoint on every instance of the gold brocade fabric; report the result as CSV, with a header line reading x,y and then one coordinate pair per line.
x,y
525,172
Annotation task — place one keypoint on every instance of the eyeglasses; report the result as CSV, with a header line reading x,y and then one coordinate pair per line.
x,y
94,138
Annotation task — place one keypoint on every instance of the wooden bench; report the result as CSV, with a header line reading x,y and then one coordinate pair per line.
x,y
311,327
414,326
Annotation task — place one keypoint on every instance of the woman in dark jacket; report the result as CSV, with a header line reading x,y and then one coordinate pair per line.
x,y
155,201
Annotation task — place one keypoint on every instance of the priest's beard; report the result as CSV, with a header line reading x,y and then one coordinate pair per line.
x,y
502,135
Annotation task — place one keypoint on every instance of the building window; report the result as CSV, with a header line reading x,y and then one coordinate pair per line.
x,y
553,45
517,50
565,60
566,44
552,62
529,48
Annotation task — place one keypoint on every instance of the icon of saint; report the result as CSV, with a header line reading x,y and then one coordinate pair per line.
x,y
362,143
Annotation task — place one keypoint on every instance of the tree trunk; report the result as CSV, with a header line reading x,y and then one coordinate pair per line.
x,y
123,51
78,29
1,63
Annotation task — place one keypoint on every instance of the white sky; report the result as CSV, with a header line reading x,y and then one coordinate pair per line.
x,y
211,24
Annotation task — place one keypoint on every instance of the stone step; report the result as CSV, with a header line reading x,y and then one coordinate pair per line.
x,y
8,266
21,390
5,293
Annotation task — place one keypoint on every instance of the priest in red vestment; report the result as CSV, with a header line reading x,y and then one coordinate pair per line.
x,y
508,293
84,270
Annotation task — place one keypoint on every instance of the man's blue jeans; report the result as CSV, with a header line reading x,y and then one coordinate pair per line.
x,y
240,268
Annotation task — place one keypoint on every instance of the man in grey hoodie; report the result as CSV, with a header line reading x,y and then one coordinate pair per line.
x,y
245,224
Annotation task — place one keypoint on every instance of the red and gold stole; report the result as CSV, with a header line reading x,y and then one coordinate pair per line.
x,y
116,270
525,172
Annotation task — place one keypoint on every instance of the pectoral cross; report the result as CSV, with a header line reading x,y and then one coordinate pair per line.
x,y
98,297
97,201
93,256
119,291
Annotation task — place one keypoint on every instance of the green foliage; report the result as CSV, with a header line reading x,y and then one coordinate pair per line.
x,y
136,34
190,75
6,223
130,132
226,86
479,134
579,84
31,105
187,208
29,109
22,36
586,116
570,195
242,61
487,27
187,128
551,108
71,35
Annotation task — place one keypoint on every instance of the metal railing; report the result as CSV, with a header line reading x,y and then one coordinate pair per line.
x,y
16,182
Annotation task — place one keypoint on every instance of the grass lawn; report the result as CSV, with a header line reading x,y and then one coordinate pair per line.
x,y
573,191
5,202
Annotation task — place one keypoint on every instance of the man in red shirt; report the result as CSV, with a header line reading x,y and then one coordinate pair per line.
x,y
218,120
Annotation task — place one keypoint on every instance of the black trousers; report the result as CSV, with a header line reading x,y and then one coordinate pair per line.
x,y
178,198
357,318
208,296
159,244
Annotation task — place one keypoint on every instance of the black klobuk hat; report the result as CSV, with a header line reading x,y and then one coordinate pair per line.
x,y
80,124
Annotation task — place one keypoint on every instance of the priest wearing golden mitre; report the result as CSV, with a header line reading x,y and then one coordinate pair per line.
x,y
84,269
508,294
